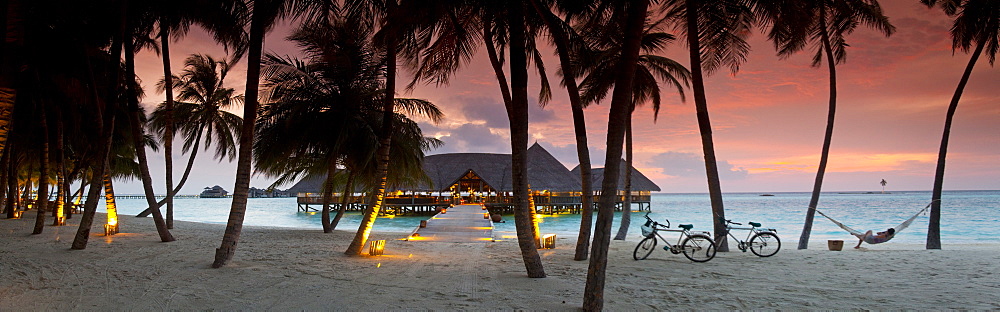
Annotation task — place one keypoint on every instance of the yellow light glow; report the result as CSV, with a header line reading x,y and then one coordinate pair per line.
x,y
111,228
485,239
379,265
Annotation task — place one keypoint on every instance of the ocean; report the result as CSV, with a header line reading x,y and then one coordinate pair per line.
x,y
967,217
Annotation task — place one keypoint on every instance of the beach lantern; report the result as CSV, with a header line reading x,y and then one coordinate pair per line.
x,y
17,214
486,215
376,248
111,228
423,223
549,241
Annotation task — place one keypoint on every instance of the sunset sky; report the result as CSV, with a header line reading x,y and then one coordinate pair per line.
x,y
768,119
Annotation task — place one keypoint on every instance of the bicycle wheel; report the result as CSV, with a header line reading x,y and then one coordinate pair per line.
x,y
699,248
765,244
644,248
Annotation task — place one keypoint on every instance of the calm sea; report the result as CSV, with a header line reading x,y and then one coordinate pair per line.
x,y
966,216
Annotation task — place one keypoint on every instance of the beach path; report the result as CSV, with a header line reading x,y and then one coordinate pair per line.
x,y
460,224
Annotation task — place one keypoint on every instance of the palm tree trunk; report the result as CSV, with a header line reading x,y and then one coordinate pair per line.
x,y
237,211
184,177
579,128
491,51
168,136
621,100
61,185
109,202
825,154
934,224
385,139
4,164
42,201
328,193
137,140
103,116
344,197
517,114
705,127
11,168
627,203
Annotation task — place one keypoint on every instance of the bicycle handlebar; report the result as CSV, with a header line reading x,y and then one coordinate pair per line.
x,y
731,222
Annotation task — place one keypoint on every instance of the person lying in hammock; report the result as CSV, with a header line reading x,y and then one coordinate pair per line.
x,y
879,237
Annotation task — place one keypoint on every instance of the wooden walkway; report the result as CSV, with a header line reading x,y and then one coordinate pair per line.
x,y
460,224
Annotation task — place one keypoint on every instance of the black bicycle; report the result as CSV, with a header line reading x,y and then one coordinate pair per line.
x,y
761,241
697,246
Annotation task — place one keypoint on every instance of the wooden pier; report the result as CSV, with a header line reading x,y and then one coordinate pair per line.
x,y
459,224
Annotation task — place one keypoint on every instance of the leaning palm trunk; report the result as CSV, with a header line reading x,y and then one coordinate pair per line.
x,y
184,177
140,148
825,154
238,209
344,197
42,201
579,128
934,224
168,136
621,99
627,202
517,114
103,116
705,127
385,139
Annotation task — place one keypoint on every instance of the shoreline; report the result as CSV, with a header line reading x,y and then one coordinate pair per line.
x,y
298,269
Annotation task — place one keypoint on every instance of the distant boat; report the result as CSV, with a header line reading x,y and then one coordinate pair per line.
x,y
766,194
214,192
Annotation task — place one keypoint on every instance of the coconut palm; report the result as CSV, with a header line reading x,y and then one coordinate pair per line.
x,y
633,14
716,33
825,24
650,69
264,15
561,33
326,103
201,110
977,23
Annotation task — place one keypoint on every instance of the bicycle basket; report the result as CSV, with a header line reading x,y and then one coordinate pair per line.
x,y
647,230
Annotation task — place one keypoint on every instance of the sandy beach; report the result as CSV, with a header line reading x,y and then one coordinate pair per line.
x,y
294,269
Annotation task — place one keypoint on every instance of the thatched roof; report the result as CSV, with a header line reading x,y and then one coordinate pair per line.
x,y
639,181
544,171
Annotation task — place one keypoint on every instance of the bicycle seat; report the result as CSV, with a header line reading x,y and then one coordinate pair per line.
x,y
754,224
687,226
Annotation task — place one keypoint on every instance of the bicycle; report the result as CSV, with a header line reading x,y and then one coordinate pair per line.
x,y
698,246
761,241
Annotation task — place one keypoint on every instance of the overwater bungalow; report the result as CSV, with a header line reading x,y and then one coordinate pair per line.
x,y
484,178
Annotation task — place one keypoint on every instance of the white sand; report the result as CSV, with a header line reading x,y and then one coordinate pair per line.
x,y
289,269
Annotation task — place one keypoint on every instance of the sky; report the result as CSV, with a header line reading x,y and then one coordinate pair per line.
x,y
768,120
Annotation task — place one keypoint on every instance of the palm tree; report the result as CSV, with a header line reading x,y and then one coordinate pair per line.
x,y
133,27
716,33
825,23
327,103
634,15
264,15
201,108
977,23
883,185
10,48
650,69
560,33
174,19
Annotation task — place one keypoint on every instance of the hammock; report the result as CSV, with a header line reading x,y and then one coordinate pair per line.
x,y
871,239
